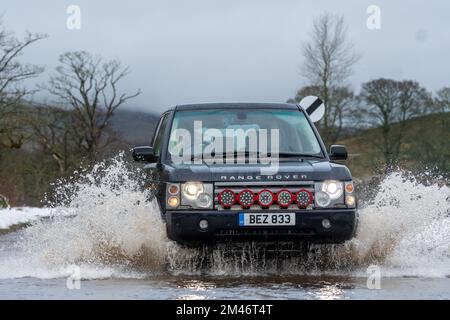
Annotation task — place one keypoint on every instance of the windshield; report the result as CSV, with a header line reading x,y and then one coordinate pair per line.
x,y
294,134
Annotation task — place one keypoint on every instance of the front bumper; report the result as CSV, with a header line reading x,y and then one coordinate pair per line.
x,y
183,227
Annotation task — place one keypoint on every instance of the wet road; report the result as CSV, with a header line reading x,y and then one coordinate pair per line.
x,y
185,288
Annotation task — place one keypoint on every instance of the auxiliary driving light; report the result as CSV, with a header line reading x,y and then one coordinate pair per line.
x,y
226,198
246,198
304,198
284,198
265,198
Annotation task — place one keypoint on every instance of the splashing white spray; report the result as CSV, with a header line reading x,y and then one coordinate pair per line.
x,y
114,231
112,225
407,228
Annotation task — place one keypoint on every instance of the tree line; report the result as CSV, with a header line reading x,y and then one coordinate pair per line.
x,y
386,104
42,141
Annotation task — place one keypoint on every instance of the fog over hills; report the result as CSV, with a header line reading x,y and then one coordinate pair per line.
x,y
135,127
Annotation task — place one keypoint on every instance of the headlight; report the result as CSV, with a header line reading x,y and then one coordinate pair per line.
x,y
333,188
322,199
329,193
191,190
197,195
204,200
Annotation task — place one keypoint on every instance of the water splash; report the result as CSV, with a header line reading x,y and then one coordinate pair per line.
x,y
114,230
400,227
405,230
112,224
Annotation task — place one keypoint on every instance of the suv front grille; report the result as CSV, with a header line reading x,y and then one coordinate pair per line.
x,y
256,187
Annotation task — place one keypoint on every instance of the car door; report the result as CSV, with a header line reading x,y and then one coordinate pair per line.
x,y
155,177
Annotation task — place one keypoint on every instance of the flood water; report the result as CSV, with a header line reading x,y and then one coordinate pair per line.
x,y
100,238
188,288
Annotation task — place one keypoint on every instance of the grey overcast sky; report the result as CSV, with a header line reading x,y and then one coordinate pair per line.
x,y
233,50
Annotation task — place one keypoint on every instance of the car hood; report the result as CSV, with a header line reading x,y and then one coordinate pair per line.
x,y
307,170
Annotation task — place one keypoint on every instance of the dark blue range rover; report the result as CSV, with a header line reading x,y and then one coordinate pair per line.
x,y
248,172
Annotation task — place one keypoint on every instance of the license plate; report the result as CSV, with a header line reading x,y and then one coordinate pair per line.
x,y
266,219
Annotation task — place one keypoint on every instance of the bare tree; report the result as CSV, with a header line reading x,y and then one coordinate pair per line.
x,y
53,130
389,104
12,74
328,60
88,85
342,98
13,131
442,101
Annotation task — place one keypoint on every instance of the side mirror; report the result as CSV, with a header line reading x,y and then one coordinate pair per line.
x,y
143,154
338,152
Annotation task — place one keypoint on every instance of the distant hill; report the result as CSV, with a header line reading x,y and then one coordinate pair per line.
x,y
135,127
426,142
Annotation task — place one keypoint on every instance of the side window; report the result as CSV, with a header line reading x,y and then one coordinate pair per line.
x,y
155,132
159,135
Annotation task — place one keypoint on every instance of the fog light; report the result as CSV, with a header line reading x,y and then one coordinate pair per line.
x,y
173,202
203,224
350,201
326,223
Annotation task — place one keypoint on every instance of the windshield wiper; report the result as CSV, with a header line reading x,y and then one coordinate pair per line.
x,y
298,155
257,154
232,154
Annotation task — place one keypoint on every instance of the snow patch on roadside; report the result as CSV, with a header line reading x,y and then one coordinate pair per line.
x,y
14,216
